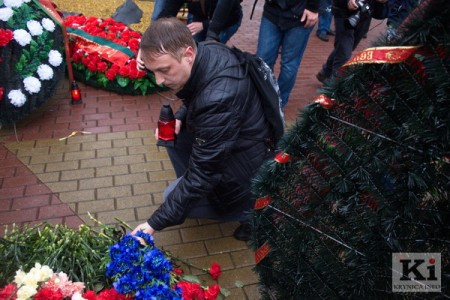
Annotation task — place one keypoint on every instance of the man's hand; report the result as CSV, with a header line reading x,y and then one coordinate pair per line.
x,y
195,27
310,18
140,63
351,4
145,227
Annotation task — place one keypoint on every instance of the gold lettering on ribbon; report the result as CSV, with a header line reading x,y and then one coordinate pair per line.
x,y
383,55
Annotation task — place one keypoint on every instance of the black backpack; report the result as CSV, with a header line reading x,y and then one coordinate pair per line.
x,y
267,87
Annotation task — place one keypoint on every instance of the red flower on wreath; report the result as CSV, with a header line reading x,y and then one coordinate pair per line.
x,y
6,36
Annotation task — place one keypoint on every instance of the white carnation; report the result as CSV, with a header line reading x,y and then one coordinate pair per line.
x,y
12,3
54,58
32,85
45,72
6,13
26,1
22,37
18,99
48,24
34,27
26,292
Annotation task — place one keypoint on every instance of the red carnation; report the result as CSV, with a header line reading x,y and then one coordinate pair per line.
x,y
215,270
48,294
191,291
212,292
102,66
178,271
111,74
124,71
8,292
90,295
92,66
5,37
133,44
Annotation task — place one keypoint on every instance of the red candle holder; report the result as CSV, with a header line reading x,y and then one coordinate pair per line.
x,y
76,93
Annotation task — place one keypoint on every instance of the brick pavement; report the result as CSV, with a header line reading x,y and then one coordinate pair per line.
x,y
115,170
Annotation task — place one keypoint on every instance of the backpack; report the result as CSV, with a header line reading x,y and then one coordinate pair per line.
x,y
267,86
268,90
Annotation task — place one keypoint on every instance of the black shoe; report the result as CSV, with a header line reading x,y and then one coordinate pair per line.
x,y
321,77
243,232
322,36
331,32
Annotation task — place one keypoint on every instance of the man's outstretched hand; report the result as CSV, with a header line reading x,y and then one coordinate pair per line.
x,y
145,227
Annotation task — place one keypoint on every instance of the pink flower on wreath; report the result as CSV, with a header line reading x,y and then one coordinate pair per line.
x,y
60,281
6,36
9,292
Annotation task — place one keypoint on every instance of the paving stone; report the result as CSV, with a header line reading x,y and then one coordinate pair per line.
x,y
111,152
61,166
130,179
95,183
77,174
245,274
112,136
30,151
54,211
201,233
140,134
129,142
134,201
149,188
63,186
225,244
111,170
95,206
129,159
47,158
252,291
224,260
82,155
65,148
30,202
77,196
114,192
96,145
96,162
145,167
109,217
162,175
49,177
188,250
243,258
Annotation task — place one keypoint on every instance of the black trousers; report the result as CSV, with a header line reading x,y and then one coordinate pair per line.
x,y
346,40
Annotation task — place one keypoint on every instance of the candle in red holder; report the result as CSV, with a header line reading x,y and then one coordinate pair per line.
x,y
76,93
166,127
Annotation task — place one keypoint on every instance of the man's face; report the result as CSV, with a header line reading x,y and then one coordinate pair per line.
x,y
168,70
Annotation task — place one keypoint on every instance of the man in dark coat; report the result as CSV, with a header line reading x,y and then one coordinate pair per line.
x,y
221,143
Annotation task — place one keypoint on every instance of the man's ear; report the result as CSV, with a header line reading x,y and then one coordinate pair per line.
x,y
189,55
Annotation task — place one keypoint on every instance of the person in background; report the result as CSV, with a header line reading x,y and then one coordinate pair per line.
x,y
398,11
157,8
221,128
325,17
287,25
208,19
348,32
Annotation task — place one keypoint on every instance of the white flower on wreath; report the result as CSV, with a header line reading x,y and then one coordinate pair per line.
x,y
32,85
54,58
22,37
26,292
26,1
34,27
12,3
45,72
48,24
17,98
6,13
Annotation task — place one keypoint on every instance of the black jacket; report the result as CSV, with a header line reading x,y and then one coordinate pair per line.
x,y
216,15
286,14
224,113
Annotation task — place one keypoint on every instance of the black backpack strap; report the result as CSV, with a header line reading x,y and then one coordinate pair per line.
x,y
253,9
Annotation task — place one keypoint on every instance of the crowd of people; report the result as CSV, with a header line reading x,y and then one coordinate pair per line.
x,y
221,127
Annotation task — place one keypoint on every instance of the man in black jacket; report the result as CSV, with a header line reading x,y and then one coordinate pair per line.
x,y
351,21
210,19
223,130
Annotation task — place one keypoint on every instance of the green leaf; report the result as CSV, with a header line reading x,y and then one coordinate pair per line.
x,y
102,80
239,284
122,81
225,292
191,278
89,74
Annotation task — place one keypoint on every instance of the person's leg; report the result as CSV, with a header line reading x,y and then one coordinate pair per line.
x,y
157,8
343,45
179,154
292,50
325,16
269,41
228,32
